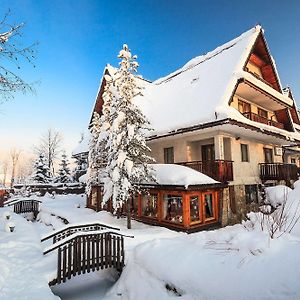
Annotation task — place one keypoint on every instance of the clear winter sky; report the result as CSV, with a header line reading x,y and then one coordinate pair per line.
x,y
77,38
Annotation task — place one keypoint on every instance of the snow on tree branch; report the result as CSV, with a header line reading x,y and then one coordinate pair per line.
x,y
121,144
12,54
127,161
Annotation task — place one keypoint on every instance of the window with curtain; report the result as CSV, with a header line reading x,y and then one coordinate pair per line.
x,y
208,206
149,205
172,208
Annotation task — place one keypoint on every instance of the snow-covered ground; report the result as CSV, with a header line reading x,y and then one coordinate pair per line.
x,y
236,262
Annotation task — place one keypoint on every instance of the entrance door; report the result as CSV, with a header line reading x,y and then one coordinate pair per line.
x,y
208,157
208,152
268,153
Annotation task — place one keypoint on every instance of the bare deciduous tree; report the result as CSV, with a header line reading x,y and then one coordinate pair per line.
x,y
50,146
24,169
4,170
14,156
12,53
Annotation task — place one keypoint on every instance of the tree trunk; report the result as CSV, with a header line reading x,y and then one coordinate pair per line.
x,y
129,213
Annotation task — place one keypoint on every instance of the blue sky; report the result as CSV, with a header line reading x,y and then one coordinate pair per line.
x,y
77,38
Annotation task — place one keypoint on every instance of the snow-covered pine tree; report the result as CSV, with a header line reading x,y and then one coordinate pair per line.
x,y
64,170
93,161
124,135
41,173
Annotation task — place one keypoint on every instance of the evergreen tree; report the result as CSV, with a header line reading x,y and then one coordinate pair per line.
x,y
93,160
41,173
122,139
64,170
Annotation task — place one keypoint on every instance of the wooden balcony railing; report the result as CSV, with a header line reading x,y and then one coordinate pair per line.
x,y
257,118
278,171
220,170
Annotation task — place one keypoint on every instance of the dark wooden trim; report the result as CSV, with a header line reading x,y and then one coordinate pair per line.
x,y
219,123
254,86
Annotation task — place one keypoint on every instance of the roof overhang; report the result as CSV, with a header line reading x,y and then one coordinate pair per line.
x,y
249,91
235,128
264,88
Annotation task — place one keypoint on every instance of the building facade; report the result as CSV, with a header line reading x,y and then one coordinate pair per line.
x,y
226,115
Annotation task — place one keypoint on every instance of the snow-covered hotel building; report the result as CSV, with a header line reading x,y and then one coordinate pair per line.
x,y
226,115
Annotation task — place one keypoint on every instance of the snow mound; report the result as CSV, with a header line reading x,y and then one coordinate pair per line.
x,y
276,195
171,174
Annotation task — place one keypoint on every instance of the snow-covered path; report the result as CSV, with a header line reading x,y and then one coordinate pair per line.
x,y
23,269
237,262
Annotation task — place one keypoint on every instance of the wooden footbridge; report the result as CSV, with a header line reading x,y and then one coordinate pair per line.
x,y
86,248
24,206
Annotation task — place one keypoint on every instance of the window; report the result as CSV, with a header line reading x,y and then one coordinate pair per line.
x,y
169,155
268,153
251,193
149,205
244,107
263,113
208,206
194,209
245,152
172,210
293,160
94,196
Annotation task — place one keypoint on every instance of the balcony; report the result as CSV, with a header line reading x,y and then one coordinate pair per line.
x,y
257,118
278,171
220,170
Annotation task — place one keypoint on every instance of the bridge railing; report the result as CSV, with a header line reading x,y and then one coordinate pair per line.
x,y
68,230
88,251
24,205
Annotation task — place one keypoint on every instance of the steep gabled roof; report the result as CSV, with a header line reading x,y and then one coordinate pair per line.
x,y
200,91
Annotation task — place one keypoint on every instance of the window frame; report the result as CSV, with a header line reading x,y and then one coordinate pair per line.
x,y
157,205
163,216
262,113
250,186
214,206
201,219
243,158
271,151
169,159
243,104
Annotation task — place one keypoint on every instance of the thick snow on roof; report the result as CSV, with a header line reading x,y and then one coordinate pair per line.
x,y
170,174
83,146
193,94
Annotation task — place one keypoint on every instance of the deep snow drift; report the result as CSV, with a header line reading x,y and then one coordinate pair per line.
x,y
236,262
